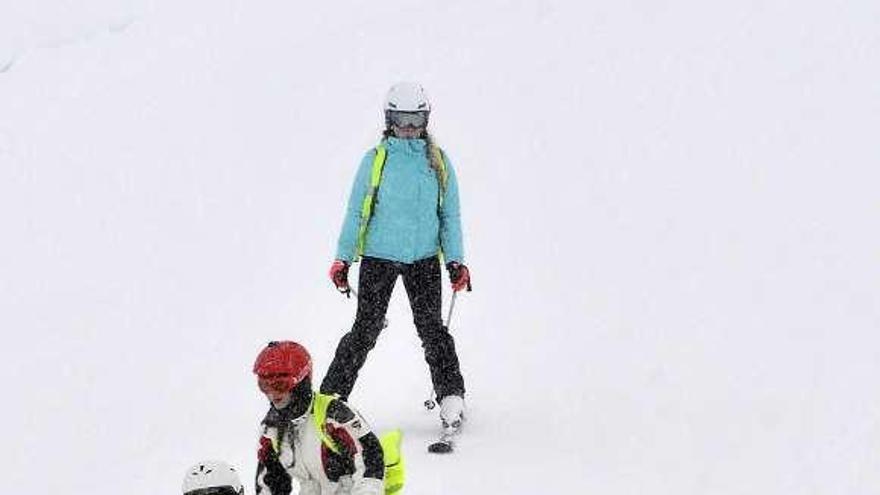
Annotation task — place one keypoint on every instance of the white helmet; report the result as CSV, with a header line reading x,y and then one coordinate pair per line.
x,y
407,97
210,478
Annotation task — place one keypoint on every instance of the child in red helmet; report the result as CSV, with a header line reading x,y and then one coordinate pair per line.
x,y
316,439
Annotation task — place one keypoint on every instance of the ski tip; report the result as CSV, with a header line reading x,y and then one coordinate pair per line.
x,y
440,447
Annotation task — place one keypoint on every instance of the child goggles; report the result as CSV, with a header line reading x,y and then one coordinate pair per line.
x,y
276,383
408,119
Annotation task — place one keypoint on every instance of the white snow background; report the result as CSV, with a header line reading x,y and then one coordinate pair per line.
x,y
671,214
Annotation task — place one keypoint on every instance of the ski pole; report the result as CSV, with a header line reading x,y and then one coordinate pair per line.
x,y
451,307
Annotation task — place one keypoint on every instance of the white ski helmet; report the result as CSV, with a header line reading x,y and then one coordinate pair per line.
x,y
212,478
407,97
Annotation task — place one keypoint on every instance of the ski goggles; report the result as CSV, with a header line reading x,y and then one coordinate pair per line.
x,y
408,119
276,383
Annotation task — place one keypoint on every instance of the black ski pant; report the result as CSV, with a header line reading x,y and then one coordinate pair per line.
x,y
422,282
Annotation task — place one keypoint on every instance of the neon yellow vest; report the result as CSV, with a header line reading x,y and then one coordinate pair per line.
x,y
390,442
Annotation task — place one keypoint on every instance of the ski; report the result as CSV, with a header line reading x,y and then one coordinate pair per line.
x,y
444,445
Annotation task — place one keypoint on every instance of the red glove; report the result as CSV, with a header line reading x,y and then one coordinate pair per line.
x,y
459,276
339,276
267,451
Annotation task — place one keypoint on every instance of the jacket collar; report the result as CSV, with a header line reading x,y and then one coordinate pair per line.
x,y
405,145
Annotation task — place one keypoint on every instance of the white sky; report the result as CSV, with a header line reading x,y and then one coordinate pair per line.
x,y
670,211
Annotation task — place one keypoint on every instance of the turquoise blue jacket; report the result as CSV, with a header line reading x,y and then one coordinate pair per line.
x,y
407,225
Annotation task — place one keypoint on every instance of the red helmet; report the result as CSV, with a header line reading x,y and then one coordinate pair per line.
x,y
285,360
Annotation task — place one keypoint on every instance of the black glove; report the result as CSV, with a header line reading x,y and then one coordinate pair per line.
x,y
276,477
459,276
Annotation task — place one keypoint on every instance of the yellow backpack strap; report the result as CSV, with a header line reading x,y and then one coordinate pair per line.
x,y
319,414
443,176
370,198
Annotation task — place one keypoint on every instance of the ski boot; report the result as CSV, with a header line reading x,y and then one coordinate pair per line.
x,y
452,413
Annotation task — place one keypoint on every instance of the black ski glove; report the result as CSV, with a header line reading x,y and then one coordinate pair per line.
x,y
276,477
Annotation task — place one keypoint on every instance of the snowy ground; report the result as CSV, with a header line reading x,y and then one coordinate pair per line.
x,y
670,209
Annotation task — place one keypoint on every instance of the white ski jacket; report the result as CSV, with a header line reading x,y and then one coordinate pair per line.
x,y
293,449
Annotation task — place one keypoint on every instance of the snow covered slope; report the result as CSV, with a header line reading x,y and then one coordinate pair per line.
x,y
670,212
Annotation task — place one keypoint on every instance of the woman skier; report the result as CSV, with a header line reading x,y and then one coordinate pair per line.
x,y
402,220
